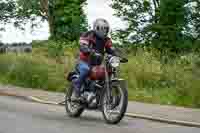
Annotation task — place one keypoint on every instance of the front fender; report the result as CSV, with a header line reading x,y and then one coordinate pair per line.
x,y
116,82
116,79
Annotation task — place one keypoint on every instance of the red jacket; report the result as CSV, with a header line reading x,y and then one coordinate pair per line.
x,y
90,40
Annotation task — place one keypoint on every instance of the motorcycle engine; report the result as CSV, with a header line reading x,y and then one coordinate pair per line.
x,y
90,98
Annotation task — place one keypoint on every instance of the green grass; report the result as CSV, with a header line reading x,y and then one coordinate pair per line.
x,y
33,71
175,82
151,77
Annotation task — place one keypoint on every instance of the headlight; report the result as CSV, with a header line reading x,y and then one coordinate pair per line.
x,y
114,61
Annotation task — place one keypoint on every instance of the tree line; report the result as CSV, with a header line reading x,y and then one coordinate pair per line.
x,y
173,24
65,17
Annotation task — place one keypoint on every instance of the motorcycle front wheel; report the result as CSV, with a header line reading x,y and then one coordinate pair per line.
x,y
114,108
73,109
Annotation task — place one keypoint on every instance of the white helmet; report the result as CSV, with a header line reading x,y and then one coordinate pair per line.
x,y
101,27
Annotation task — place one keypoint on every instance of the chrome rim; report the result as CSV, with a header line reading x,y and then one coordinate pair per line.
x,y
111,112
73,107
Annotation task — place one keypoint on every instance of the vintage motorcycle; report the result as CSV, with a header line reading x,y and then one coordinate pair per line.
x,y
102,90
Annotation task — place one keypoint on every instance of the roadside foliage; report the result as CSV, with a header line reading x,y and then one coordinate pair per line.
x,y
161,41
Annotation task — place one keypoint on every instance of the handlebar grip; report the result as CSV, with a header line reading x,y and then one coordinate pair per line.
x,y
124,60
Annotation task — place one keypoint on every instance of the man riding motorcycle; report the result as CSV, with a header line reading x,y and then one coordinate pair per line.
x,y
94,41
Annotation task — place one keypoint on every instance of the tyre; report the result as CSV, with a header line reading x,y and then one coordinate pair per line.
x,y
72,109
109,108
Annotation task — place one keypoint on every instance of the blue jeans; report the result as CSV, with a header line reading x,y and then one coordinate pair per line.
x,y
84,69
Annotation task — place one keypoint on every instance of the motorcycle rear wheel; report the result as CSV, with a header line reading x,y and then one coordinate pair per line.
x,y
72,109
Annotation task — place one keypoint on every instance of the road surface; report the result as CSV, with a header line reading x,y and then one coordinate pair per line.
x,y
19,116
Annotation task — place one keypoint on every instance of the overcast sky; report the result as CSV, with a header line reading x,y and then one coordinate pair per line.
x,y
94,9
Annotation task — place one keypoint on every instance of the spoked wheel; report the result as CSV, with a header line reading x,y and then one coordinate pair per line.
x,y
114,108
73,109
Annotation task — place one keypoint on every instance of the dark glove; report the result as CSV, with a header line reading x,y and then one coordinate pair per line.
x,y
92,52
85,49
111,51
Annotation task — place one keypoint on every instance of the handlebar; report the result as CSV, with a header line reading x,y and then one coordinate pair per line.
x,y
122,59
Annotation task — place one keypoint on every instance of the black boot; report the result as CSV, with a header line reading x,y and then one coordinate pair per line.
x,y
76,96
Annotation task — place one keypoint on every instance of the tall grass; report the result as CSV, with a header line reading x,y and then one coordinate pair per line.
x,y
41,69
152,77
177,81
33,71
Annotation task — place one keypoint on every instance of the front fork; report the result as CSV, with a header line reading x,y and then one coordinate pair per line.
x,y
107,86
108,81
